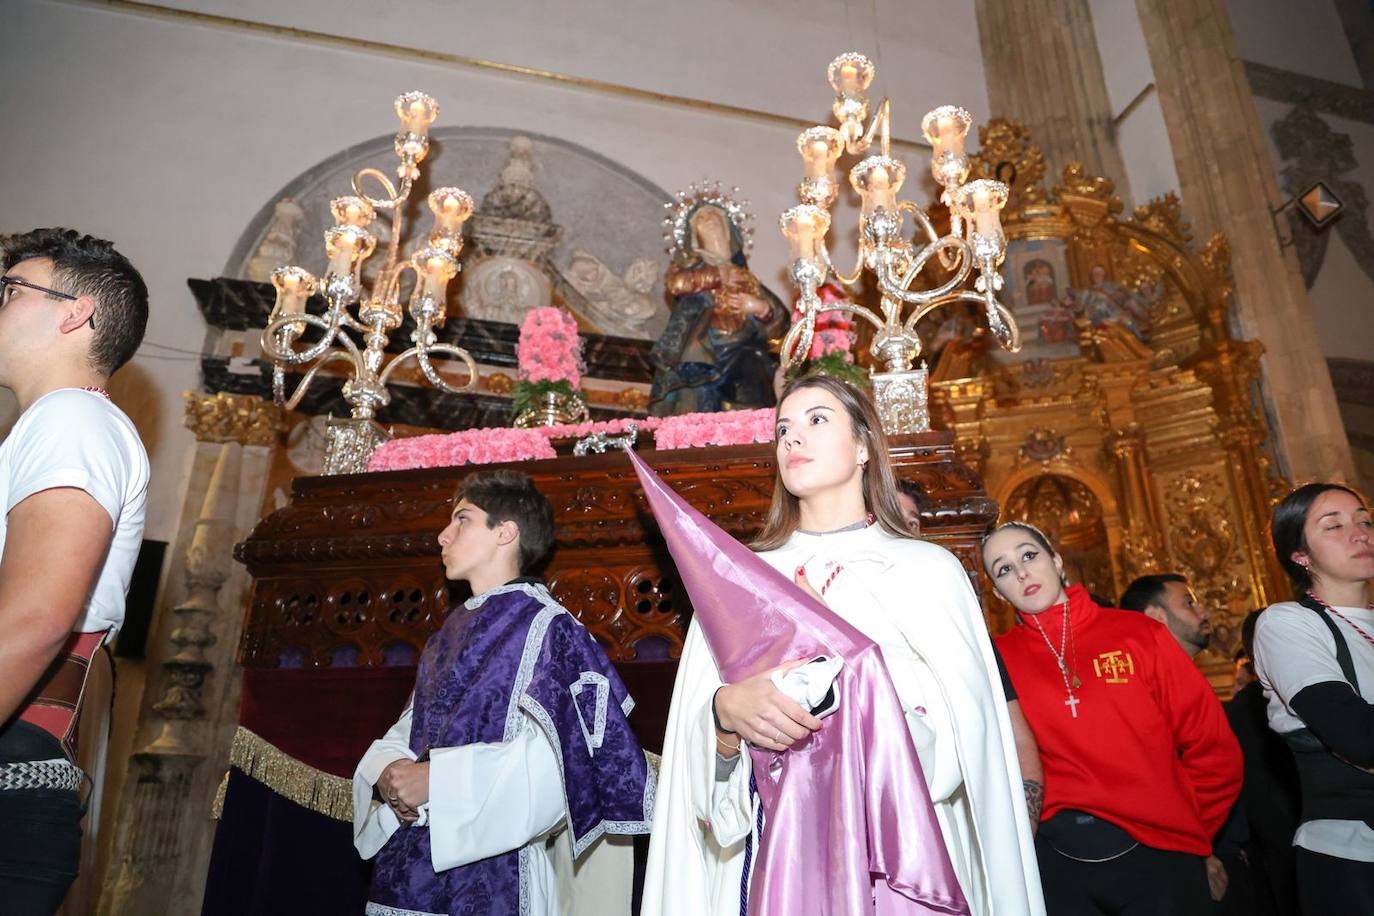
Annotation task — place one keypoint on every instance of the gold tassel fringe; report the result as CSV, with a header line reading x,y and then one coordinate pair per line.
x,y
217,806
308,787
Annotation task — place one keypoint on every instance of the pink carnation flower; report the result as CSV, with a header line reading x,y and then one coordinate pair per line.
x,y
549,349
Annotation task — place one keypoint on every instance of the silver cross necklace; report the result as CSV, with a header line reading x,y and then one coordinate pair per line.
x,y
1071,681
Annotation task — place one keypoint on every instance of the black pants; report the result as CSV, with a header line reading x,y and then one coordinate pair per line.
x,y
1142,882
40,830
1327,884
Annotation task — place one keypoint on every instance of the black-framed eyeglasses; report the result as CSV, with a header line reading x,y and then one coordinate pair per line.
x,y
56,294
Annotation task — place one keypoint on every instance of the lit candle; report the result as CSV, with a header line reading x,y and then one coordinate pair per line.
x,y
804,226
346,247
417,111
341,258
985,218
434,268
878,179
351,211
819,148
945,129
451,208
850,74
294,286
982,201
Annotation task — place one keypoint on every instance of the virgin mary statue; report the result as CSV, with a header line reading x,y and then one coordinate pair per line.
x,y
714,354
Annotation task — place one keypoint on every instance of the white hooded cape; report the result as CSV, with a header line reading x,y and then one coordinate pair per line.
x,y
914,599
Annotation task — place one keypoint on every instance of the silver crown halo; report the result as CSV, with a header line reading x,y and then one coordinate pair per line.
x,y
676,231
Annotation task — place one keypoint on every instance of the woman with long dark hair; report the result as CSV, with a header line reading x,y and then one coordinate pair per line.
x,y
1141,767
835,529
1315,660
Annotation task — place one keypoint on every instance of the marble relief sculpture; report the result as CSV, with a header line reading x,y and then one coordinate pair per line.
x,y
619,305
513,235
714,354
513,272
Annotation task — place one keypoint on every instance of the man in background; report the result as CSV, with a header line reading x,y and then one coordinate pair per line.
x,y
1168,598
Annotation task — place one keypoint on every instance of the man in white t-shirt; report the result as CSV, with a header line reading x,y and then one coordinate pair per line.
x,y
73,481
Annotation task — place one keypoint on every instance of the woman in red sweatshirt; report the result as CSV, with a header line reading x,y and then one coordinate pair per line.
x,y
1140,765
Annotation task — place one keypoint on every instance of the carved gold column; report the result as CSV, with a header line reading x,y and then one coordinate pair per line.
x,y
1231,368
1043,69
1228,185
163,832
1141,546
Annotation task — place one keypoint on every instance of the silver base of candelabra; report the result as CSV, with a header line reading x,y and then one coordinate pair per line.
x,y
901,401
350,444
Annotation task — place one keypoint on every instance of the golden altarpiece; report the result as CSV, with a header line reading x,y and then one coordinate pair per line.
x,y
1128,426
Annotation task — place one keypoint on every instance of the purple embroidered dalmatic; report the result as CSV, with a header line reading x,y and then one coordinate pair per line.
x,y
508,653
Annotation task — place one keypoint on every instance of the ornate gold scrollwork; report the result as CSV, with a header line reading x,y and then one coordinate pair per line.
x,y
1216,257
1164,215
1006,154
1205,540
243,418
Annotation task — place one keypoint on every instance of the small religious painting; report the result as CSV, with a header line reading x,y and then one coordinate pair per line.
x,y
1036,274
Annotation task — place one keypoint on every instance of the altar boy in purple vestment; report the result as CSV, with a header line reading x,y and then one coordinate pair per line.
x,y
516,729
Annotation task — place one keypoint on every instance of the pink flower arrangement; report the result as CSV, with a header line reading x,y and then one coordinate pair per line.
x,y
731,427
549,349
831,340
498,444
834,330
468,446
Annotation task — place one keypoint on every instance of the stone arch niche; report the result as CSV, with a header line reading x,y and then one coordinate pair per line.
x,y
553,219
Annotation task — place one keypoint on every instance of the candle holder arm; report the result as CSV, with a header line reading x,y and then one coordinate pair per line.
x,y
277,337
1011,340
923,222
422,354
881,124
303,385
806,329
845,279
895,287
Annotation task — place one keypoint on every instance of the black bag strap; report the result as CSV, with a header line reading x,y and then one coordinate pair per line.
x,y
1342,647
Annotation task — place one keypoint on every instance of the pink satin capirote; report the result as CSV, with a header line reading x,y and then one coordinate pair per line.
x,y
850,828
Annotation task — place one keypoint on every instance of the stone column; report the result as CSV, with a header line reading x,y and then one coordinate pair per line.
x,y
163,832
1228,185
1043,69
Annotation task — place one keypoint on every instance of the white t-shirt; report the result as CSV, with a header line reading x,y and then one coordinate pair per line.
x,y
76,438
1293,650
